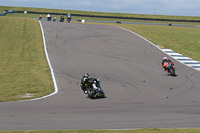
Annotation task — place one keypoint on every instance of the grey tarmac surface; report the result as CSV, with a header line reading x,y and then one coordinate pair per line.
x,y
139,93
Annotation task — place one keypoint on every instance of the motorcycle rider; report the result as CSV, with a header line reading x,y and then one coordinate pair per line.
x,y
55,19
69,17
165,62
48,17
96,84
40,17
62,18
85,79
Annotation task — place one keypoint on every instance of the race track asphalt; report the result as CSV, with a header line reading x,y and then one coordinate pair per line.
x,y
139,93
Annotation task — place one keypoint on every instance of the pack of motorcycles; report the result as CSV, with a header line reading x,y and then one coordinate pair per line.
x,y
62,19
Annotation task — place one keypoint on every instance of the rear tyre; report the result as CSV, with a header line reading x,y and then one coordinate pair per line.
x,y
172,71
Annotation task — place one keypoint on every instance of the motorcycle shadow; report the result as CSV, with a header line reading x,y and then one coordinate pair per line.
x,y
171,75
96,98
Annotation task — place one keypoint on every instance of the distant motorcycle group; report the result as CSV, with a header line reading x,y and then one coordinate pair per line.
x,y
62,19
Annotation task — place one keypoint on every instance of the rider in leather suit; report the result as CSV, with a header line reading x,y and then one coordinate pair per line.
x,y
86,79
165,62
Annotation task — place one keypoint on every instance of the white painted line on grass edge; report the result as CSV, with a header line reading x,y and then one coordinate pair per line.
x,y
51,69
50,66
138,36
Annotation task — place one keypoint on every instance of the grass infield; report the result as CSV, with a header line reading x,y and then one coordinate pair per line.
x,y
24,72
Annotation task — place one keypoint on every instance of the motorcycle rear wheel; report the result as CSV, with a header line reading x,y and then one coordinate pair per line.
x,y
172,71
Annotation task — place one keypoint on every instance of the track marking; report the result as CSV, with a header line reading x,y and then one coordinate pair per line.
x,y
183,59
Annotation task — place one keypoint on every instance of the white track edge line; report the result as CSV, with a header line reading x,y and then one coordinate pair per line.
x,y
155,46
51,70
50,66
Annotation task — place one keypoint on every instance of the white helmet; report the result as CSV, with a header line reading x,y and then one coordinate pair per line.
x,y
164,58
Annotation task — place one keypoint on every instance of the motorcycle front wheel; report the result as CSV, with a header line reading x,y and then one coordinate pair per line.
x,y
91,93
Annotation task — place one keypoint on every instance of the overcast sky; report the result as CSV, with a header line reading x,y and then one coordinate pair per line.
x,y
159,7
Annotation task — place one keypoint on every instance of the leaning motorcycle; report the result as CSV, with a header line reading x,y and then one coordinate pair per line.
x,y
62,19
170,68
92,92
68,20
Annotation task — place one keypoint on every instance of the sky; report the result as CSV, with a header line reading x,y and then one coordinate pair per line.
x,y
157,7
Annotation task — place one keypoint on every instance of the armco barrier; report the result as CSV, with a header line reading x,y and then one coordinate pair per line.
x,y
4,13
7,11
99,16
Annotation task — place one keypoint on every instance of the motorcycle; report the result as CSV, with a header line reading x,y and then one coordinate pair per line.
x,y
49,18
69,17
40,17
54,19
94,92
62,19
68,20
169,24
170,68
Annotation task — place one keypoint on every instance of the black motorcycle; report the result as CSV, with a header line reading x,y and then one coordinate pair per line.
x,y
69,17
62,19
55,19
68,20
91,91
40,17
170,68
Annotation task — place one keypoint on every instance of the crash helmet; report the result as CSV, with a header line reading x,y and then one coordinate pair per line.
x,y
164,58
86,75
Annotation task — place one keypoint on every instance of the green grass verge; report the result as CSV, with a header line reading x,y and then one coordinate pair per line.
x,y
154,130
23,66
